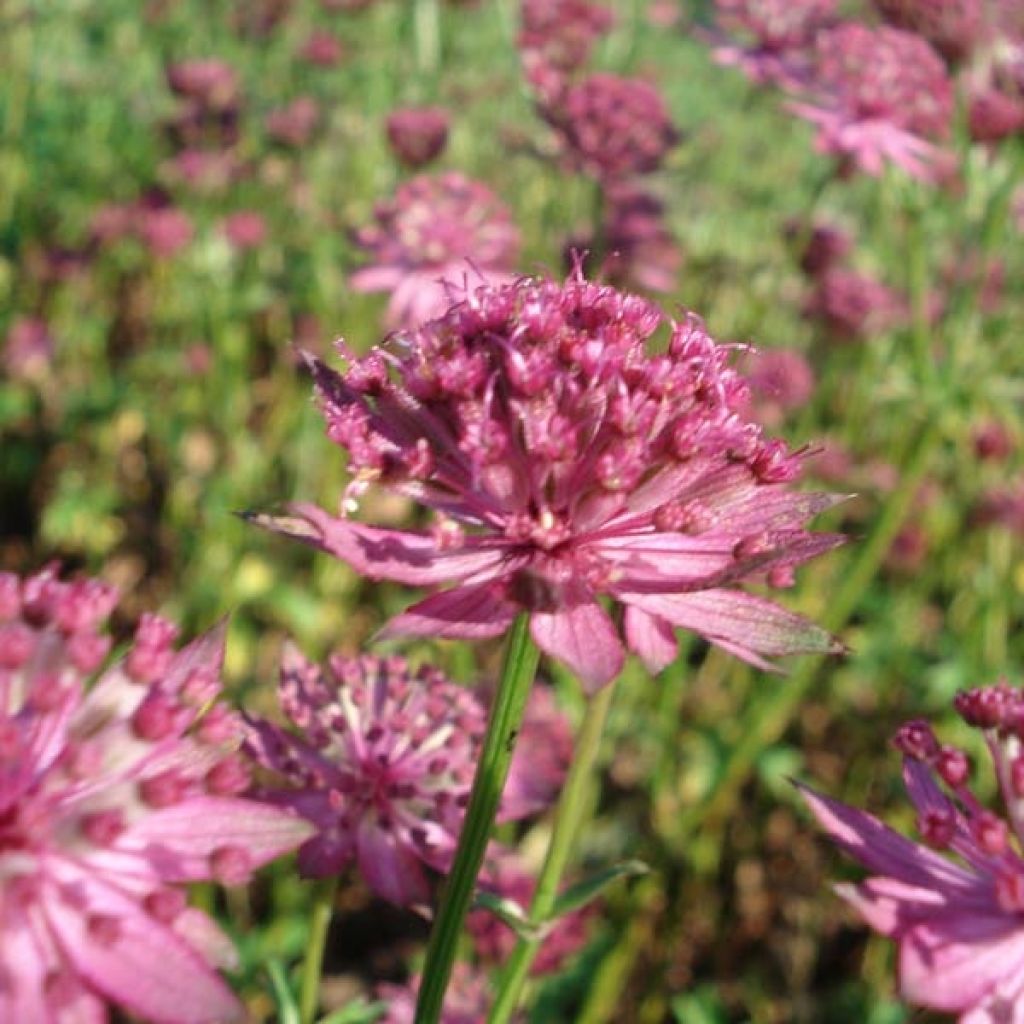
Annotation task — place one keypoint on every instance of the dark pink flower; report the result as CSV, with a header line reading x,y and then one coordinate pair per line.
x,y
435,234
112,798
820,247
561,33
382,765
565,464
613,127
853,305
28,349
505,876
771,36
641,252
417,135
466,1001
245,229
294,124
994,115
880,95
322,50
953,27
992,441
957,921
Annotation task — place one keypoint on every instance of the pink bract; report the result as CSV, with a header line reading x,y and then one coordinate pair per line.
x,y
437,233
566,464
113,797
382,763
880,96
956,921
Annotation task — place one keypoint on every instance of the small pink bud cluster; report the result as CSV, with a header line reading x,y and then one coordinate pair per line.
x,y
425,243
111,798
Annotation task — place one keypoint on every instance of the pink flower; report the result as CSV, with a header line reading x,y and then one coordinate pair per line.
x,y
437,231
294,124
211,83
613,127
821,246
880,95
561,33
505,876
773,36
957,922
466,1001
382,765
417,135
245,229
111,799
782,381
28,349
641,250
853,305
564,463
164,230
322,50
953,27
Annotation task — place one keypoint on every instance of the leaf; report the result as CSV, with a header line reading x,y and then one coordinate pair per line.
x,y
510,912
359,1012
587,890
287,1008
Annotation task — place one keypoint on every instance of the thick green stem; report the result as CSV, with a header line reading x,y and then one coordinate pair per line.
x,y
506,715
572,807
773,715
323,906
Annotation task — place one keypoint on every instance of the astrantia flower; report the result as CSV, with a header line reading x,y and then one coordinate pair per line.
x,y
880,95
772,36
953,27
417,135
782,381
853,305
562,33
382,764
436,231
566,464
112,797
957,918
641,252
614,127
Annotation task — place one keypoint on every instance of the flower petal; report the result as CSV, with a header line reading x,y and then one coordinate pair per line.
x,y
580,633
462,613
390,870
652,639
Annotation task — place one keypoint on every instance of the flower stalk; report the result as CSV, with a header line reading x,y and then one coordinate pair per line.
x,y
319,922
506,715
569,819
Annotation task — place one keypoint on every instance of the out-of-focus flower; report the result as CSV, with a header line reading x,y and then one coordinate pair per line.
x,y
992,441
781,381
1002,506
641,252
880,95
957,922
382,764
111,799
204,170
561,33
245,229
322,50
437,232
953,27
820,246
294,124
164,230
565,464
28,349
994,115
772,36
853,305
417,135
614,127
493,941
467,999
212,83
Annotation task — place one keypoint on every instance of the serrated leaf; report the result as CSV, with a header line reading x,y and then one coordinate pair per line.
x,y
587,890
510,912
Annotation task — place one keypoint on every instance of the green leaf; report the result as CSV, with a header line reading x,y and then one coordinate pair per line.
x,y
583,892
359,1012
287,1008
510,912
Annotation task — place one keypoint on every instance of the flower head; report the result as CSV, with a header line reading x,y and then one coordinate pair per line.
x,y
613,127
853,305
566,464
382,764
641,250
417,135
436,231
295,123
957,921
28,349
561,33
111,798
880,95
953,27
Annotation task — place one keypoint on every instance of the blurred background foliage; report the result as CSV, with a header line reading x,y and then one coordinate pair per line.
x,y
168,397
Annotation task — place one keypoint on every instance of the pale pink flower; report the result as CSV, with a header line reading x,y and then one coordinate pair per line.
x,y
957,919
417,135
112,798
880,96
164,230
436,233
382,764
565,464
245,229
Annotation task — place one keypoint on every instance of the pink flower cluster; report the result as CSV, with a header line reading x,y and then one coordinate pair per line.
x,y
382,763
957,922
112,797
425,243
566,464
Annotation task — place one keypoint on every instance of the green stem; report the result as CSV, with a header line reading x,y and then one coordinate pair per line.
x,y
427,28
506,715
323,905
773,716
572,808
